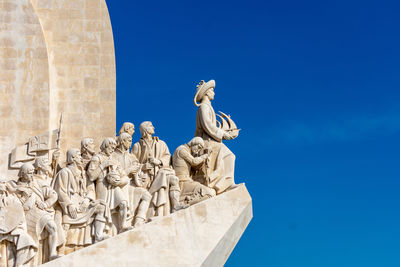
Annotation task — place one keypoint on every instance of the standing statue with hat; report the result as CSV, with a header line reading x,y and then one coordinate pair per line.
x,y
219,169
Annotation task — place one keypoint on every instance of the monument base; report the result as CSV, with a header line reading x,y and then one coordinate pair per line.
x,y
202,235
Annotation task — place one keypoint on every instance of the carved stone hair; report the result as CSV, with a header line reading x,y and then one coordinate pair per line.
x,y
85,141
71,154
24,169
196,141
143,126
107,142
39,161
123,136
125,127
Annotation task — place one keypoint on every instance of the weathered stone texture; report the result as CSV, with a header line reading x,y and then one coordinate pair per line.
x,y
56,57
24,78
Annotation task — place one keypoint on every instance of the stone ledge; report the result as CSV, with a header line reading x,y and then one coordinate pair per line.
x,y
201,235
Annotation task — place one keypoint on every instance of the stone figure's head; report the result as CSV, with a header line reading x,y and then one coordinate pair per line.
x,y
128,128
204,89
87,145
108,146
196,145
26,172
146,128
42,164
74,156
124,141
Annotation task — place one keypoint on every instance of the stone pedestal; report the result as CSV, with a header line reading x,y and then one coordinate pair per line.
x,y
201,235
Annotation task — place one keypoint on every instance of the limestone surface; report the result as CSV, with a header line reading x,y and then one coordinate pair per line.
x,y
56,57
202,235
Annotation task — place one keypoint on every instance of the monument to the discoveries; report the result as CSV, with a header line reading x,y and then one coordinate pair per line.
x,y
71,192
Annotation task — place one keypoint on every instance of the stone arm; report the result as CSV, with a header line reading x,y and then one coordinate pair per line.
x,y
207,123
50,196
61,188
193,161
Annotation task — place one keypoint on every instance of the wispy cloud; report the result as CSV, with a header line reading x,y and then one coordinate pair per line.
x,y
355,127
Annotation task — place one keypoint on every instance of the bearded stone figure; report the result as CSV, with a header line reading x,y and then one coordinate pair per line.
x,y
38,199
219,169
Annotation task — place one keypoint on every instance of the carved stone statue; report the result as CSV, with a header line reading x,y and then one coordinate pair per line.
x,y
139,197
43,170
219,173
38,199
97,168
117,199
87,151
153,153
127,127
186,160
13,230
79,211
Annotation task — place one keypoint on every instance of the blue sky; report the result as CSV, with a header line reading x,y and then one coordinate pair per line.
x,y
315,87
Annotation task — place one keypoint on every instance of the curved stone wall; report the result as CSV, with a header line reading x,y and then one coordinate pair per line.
x,y
57,57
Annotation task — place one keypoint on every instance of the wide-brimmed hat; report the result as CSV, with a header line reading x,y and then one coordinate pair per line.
x,y
202,89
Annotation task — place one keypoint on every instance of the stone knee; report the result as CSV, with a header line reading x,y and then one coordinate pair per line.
x,y
123,205
51,227
174,183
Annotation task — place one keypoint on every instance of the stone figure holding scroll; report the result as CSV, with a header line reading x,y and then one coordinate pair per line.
x,y
162,183
13,230
79,211
186,160
219,173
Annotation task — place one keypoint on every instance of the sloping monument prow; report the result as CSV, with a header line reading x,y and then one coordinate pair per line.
x,y
204,234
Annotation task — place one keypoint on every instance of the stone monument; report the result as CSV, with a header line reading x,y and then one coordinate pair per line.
x,y
74,194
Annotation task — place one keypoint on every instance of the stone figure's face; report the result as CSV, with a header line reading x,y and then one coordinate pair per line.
x,y
109,149
78,159
28,174
90,147
131,130
196,149
44,165
127,142
150,129
211,93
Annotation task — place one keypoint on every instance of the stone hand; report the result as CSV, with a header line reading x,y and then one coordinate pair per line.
x,y
105,164
26,194
41,205
72,210
227,136
155,161
134,169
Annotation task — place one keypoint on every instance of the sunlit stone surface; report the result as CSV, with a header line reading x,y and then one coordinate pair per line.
x,y
201,235
56,57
